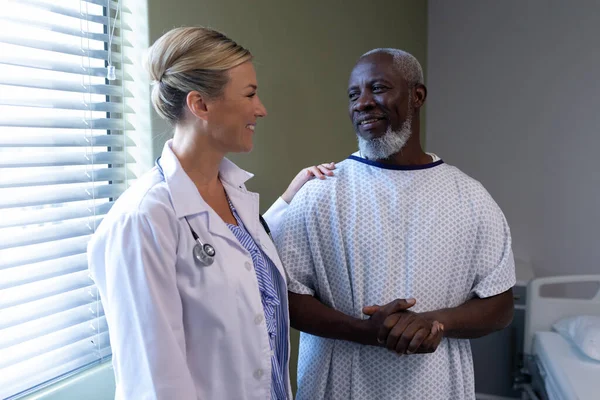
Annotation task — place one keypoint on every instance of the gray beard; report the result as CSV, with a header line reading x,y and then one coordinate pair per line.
x,y
384,146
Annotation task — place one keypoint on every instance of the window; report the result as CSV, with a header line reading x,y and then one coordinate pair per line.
x,y
63,160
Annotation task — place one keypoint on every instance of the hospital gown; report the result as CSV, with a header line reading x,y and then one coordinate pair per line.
x,y
374,233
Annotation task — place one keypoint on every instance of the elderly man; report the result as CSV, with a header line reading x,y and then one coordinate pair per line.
x,y
399,251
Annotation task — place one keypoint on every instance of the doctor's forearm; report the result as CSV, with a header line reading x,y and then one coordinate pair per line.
x,y
476,317
308,314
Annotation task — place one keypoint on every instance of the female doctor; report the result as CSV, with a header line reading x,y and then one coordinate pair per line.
x,y
193,290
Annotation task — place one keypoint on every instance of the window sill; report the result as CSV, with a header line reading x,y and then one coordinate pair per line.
x,y
96,383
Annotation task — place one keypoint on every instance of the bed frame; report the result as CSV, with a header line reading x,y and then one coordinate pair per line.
x,y
542,312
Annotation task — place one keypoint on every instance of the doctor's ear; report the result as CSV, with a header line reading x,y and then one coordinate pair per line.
x,y
197,105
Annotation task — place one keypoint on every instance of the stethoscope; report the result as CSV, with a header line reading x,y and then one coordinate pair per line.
x,y
204,253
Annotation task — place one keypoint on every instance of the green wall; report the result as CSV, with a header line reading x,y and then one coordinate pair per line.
x,y
304,52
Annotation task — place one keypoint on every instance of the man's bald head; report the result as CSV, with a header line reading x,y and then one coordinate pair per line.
x,y
404,63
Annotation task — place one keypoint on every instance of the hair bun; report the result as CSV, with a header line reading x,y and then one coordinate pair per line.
x,y
190,59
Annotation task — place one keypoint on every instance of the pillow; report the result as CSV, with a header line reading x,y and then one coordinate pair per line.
x,y
583,331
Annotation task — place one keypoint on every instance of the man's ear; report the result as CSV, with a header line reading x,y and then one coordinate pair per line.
x,y
420,94
197,105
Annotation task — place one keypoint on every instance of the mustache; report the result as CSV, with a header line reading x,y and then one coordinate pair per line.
x,y
365,117
391,142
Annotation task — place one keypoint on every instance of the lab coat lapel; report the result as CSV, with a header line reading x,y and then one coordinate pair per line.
x,y
246,204
188,203
216,227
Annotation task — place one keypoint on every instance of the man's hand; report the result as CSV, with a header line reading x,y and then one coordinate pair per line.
x,y
405,332
379,315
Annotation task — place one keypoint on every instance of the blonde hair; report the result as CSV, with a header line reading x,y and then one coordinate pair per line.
x,y
190,59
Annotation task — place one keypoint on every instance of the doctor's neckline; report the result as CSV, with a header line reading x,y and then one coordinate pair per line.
x,y
396,167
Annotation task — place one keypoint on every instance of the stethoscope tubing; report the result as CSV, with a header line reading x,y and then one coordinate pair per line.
x,y
203,253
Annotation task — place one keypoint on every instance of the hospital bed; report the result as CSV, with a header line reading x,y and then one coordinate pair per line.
x,y
554,368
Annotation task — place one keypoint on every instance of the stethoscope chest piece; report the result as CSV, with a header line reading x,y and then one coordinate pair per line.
x,y
204,254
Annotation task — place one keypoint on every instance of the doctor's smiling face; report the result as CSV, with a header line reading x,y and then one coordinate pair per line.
x,y
231,117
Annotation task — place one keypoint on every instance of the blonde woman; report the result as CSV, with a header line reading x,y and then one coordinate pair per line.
x,y
193,290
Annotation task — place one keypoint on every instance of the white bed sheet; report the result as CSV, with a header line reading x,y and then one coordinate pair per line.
x,y
568,374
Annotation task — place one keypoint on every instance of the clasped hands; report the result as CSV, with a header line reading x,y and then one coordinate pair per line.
x,y
401,330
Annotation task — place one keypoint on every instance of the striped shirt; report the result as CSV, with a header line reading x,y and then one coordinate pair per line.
x,y
270,294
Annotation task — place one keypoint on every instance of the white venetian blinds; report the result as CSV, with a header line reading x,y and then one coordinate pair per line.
x,y
64,158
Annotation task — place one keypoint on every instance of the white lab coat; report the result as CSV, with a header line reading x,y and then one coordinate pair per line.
x,y
180,331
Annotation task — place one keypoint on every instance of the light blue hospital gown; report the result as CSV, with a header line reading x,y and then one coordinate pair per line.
x,y
372,234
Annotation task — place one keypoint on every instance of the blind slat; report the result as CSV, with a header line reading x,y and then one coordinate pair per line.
x,y
58,48
63,195
51,232
100,37
66,105
43,252
61,158
65,140
57,66
54,340
109,90
24,313
46,178
113,5
42,289
68,12
51,65
39,271
65,212
66,123
71,316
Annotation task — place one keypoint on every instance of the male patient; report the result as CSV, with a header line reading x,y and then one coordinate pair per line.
x,y
397,260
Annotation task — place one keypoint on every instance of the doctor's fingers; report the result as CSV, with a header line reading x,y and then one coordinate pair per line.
x,y
327,168
315,172
321,170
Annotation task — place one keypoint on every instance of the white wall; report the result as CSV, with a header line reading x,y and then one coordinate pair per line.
x,y
514,101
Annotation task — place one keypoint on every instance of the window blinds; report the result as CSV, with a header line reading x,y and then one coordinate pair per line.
x,y
64,159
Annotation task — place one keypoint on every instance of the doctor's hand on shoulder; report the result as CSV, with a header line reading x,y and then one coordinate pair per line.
x,y
316,171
